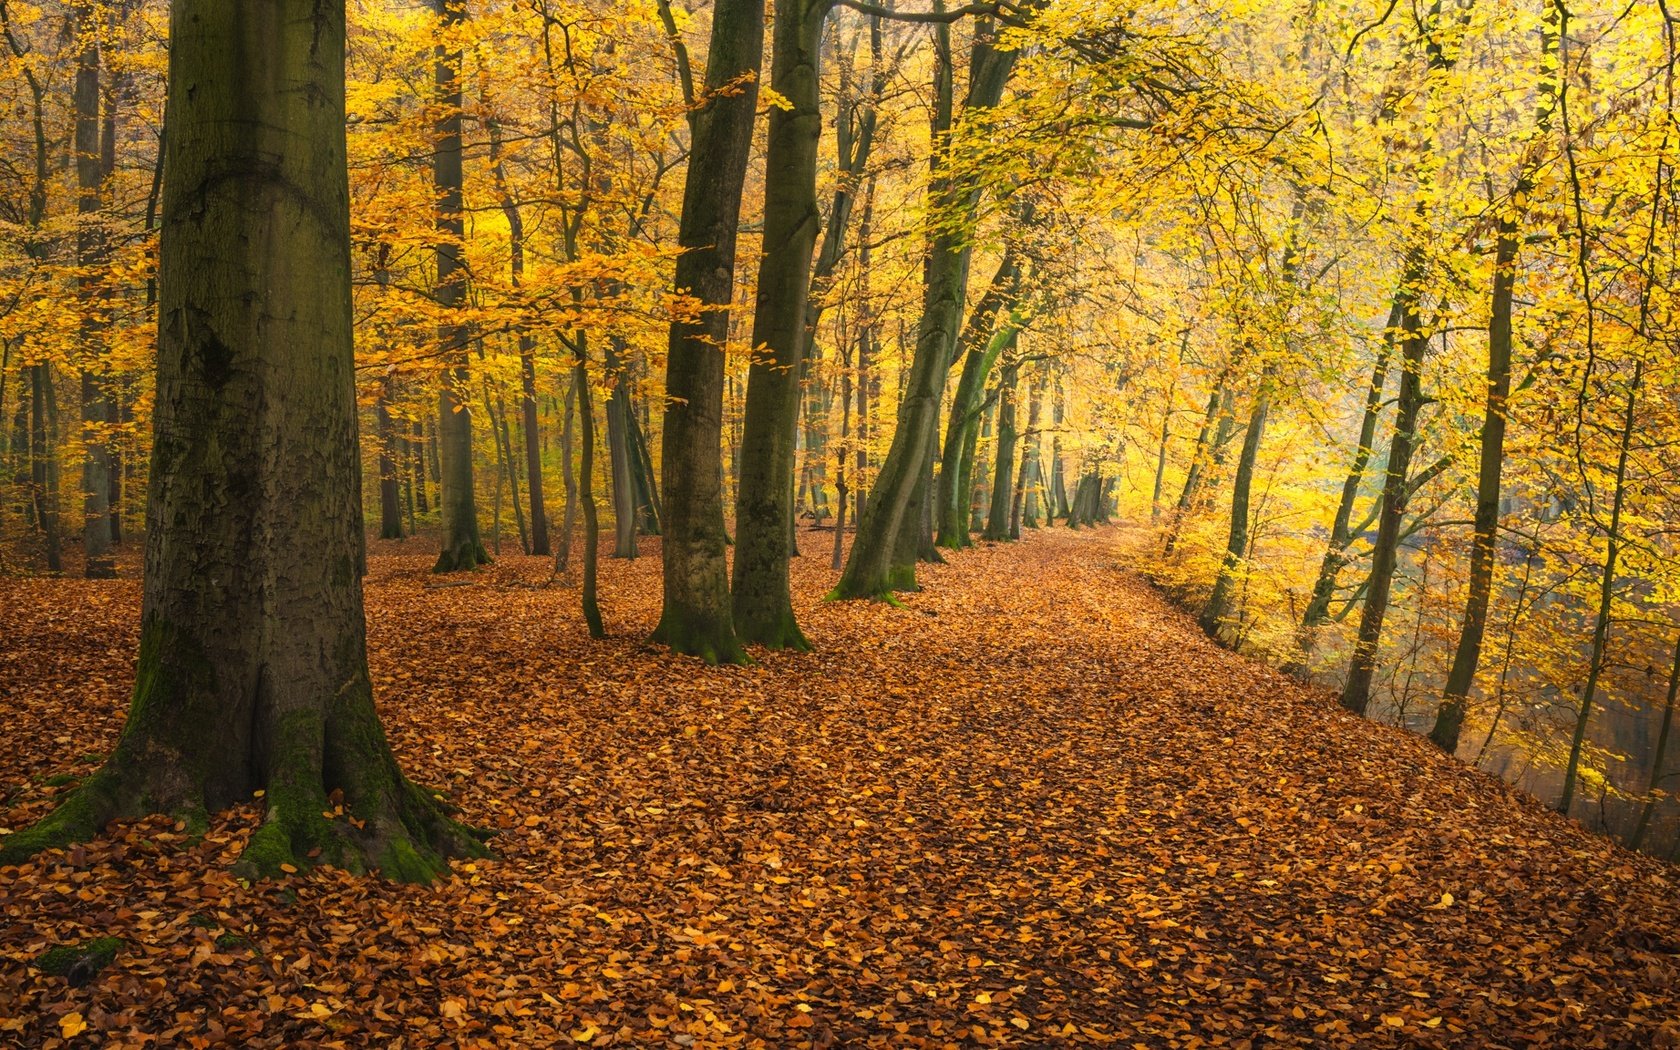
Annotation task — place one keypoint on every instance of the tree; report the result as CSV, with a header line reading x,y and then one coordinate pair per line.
x,y
462,547
252,671
697,618
763,605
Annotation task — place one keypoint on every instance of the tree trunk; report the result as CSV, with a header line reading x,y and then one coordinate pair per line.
x,y
586,491
1317,613
390,502
1449,717
697,618
984,345
881,561
43,461
97,415
764,501
1029,461
1003,460
1613,541
1218,608
1637,839
568,521
462,548
252,668
1356,693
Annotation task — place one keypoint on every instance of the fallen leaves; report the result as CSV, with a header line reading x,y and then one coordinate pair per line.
x,y
1051,815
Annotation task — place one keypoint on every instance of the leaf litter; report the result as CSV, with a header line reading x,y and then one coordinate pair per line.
x,y
1034,808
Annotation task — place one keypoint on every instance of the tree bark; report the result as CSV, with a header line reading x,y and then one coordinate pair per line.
x,y
881,560
462,547
697,618
252,669
764,501
1003,460
1449,717
97,409
1356,692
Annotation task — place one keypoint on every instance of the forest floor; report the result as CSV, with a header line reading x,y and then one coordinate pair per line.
x,y
1034,808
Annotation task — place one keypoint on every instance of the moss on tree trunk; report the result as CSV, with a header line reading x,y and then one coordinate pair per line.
x,y
252,672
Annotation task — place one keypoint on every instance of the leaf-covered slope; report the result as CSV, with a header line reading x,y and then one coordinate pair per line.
x,y
1034,808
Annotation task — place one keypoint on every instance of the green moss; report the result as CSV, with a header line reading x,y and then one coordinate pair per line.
x,y
77,819
58,780
85,959
228,942
400,861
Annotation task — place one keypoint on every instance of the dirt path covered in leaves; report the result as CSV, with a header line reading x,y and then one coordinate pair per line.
x,y
1035,808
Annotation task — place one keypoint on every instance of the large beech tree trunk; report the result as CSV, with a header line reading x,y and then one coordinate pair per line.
x,y
253,669
698,618
763,603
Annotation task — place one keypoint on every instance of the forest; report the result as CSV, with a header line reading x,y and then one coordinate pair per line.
x,y
839,523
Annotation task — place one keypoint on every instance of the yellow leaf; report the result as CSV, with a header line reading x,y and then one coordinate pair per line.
x,y
584,1035
71,1024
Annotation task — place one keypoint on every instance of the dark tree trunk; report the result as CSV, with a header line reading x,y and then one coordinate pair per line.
x,y
43,461
586,492
1659,756
764,503
1449,717
621,456
252,667
1317,613
697,617
1218,608
568,520
984,345
390,498
881,560
1003,461
1029,464
1356,693
538,544
97,415
462,548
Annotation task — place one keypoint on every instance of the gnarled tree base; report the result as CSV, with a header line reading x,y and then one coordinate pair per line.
x,y
362,816
463,556
712,642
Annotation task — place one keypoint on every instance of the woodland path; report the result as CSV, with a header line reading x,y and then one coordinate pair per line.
x,y
1034,808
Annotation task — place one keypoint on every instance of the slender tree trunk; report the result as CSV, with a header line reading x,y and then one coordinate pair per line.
x,y
1449,717
1658,757
764,503
43,459
586,492
1341,536
252,668
1356,693
984,345
1029,460
1606,592
568,521
538,544
1218,609
97,538
697,618
1003,460
881,560
462,548
390,503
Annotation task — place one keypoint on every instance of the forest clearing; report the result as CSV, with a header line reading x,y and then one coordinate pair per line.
x,y
1001,816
